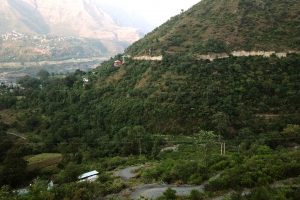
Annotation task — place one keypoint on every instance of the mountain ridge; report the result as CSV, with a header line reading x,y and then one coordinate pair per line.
x,y
226,26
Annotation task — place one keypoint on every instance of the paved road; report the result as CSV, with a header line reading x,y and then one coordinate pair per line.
x,y
155,191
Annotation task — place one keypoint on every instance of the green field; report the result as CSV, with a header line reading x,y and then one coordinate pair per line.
x,y
44,160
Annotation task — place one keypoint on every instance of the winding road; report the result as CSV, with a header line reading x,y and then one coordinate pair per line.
x,y
153,191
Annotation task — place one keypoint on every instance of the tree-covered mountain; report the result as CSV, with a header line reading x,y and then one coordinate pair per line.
x,y
181,94
249,103
225,26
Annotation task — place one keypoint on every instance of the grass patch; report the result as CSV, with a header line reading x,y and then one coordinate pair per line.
x,y
7,116
44,160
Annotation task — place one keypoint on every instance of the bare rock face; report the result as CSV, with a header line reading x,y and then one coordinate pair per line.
x,y
78,18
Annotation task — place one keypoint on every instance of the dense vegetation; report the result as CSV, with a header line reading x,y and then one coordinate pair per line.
x,y
56,128
252,103
232,96
222,26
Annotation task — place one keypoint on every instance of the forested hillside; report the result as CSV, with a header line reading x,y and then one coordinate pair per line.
x,y
251,102
227,128
172,97
225,26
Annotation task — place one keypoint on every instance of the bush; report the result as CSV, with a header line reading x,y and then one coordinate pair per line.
x,y
169,194
196,195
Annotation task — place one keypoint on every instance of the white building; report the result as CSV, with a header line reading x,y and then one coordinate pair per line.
x,y
89,176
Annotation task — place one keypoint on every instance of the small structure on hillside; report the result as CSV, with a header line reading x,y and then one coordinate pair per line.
x,y
50,185
89,176
21,192
118,63
170,148
85,81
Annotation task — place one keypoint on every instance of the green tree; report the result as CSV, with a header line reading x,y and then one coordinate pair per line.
x,y
13,172
221,122
39,191
29,82
206,139
291,130
133,140
169,194
43,75
70,173
196,195
261,194
6,193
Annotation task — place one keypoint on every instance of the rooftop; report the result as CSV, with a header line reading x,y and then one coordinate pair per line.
x,y
88,174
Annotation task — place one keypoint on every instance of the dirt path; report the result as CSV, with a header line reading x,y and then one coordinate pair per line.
x,y
214,56
14,134
128,173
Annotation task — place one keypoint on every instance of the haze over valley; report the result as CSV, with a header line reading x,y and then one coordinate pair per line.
x,y
39,30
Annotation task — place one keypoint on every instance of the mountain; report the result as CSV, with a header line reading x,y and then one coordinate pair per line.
x,y
227,126
76,18
182,94
226,26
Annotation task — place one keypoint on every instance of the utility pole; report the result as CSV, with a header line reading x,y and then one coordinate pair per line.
x,y
140,147
123,59
223,148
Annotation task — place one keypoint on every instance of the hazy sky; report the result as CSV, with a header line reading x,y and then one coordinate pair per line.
x,y
155,11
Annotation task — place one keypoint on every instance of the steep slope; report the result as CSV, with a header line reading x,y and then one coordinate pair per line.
x,y
225,26
181,94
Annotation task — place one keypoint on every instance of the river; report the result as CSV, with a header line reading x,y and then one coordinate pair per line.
x,y
11,71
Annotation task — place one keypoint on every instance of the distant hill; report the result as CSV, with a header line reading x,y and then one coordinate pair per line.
x,y
76,18
227,25
26,47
